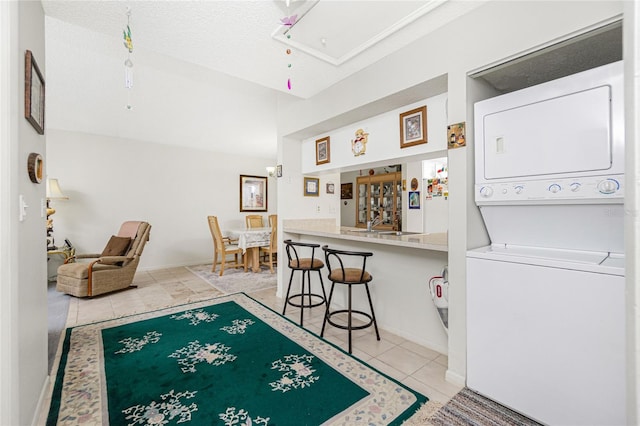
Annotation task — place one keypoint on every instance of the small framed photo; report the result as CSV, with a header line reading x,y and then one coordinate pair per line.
x,y
331,188
346,191
456,137
279,170
323,151
311,187
414,199
253,193
33,93
413,127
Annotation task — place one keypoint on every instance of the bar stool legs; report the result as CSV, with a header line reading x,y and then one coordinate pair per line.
x,y
348,277
305,265
290,300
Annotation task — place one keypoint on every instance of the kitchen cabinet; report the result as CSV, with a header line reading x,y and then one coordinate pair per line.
x,y
379,200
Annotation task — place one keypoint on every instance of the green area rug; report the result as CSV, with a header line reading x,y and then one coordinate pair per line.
x,y
226,361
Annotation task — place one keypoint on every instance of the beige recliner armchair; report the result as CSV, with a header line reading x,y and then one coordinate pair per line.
x,y
111,270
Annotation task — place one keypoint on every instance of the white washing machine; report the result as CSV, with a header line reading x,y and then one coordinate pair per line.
x,y
546,300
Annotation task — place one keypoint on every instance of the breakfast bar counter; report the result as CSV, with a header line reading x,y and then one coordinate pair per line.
x,y
436,241
401,265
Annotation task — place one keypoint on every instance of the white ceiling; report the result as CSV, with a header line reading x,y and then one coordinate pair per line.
x,y
331,40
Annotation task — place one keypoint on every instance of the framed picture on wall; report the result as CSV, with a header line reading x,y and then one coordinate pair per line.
x,y
413,127
414,199
346,191
331,188
33,93
311,187
253,193
323,151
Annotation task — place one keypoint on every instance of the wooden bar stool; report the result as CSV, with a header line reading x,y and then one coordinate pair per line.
x,y
306,265
349,276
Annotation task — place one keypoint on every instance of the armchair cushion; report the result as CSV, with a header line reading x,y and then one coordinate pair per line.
x,y
117,246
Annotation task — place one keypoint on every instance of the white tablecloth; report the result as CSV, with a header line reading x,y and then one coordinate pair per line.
x,y
254,237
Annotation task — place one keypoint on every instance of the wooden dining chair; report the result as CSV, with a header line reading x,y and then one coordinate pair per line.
x,y
224,246
269,253
254,221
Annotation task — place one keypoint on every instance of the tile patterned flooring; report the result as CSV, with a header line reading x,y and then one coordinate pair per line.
x,y
416,366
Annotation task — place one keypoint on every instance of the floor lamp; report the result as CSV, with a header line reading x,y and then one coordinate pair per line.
x,y
53,193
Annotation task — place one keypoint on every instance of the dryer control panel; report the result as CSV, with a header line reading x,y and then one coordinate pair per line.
x,y
597,189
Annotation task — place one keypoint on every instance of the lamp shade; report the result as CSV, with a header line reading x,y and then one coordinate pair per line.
x,y
53,190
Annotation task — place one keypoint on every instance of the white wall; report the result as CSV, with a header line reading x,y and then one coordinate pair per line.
x,y
23,294
110,180
383,140
491,33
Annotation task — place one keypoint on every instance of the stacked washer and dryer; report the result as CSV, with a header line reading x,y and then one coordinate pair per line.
x,y
546,300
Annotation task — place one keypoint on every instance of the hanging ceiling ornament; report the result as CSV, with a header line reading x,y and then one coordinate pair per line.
x,y
289,21
128,64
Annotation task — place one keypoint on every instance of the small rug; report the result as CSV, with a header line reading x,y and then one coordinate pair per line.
x,y
236,280
469,408
227,361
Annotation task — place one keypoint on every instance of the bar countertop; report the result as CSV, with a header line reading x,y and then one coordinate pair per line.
x,y
435,241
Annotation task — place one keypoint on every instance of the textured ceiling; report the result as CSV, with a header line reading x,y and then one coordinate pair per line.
x,y
331,40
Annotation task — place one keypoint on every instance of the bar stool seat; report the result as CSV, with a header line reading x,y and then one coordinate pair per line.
x,y
349,276
305,265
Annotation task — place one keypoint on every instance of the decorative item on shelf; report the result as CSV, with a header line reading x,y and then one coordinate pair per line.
x,y
35,166
413,127
456,135
323,150
311,187
359,144
346,191
33,93
53,193
128,64
253,193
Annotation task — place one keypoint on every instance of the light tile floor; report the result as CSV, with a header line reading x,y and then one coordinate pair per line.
x,y
416,366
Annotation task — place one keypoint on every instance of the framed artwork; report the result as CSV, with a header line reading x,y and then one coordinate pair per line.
x,y
346,191
253,193
456,137
35,164
413,127
331,188
414,199
33,93
279,170
311,187
323,151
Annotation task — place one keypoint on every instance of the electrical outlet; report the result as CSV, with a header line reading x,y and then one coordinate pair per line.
x,y
318,208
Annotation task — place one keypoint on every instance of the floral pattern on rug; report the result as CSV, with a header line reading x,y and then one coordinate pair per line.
x,y
297,373
162,413
196,353
133,344
238,327
81,389
195,317
241,418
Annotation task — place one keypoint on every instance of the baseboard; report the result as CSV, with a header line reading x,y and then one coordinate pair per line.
x,y
455,378
44,392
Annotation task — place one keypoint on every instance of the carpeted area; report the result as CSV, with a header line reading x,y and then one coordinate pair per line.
x,y
468,408
228,360
236,280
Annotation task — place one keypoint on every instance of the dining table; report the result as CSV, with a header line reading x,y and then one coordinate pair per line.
x,y
250,240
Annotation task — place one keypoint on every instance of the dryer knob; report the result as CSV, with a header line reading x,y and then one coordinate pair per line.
x,y
486,191
575,187
554,188
608,186
519,189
